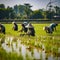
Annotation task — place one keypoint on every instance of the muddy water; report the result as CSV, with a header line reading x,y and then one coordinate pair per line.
x,y
11,45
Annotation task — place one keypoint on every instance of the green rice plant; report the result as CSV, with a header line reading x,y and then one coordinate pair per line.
x,y
51,42
27,57
20,57
1,35
3,54
2,39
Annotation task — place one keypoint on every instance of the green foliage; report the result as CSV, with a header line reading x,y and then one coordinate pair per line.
x,y
37,15
25,12
57,10
2,6
2,13
50,15
6,13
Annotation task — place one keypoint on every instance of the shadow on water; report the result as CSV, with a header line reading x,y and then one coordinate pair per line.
x,y
13,44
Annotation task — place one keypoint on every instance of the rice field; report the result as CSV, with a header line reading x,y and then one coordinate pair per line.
x,y
43,46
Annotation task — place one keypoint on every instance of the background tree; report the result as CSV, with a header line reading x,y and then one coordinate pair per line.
x,y
28,10
57,10
2,6
6,13
37,14
50,15
2,13
10,14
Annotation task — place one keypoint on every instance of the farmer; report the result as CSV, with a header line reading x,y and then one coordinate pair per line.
x,y
15,27
48,29
53,26
2,29
24,29
31,31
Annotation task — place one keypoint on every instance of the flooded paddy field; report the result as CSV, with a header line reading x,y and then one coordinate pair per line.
x,y
30,48
41,47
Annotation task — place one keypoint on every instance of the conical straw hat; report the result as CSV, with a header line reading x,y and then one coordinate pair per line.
x,y
29,26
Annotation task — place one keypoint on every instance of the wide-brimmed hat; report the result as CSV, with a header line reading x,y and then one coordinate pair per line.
x,y
25,23
29,26
13,22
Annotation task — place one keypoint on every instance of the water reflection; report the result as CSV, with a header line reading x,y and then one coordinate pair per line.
x,y
12,45
36,54
43,55
6,47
